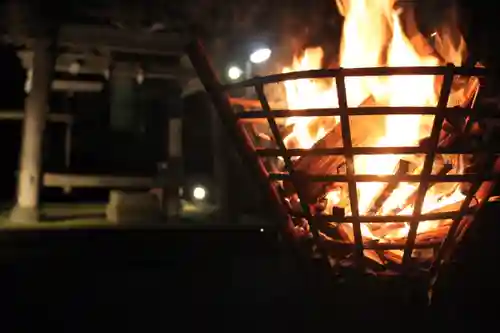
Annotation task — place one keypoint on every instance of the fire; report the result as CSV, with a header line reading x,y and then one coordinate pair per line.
x,y
373,36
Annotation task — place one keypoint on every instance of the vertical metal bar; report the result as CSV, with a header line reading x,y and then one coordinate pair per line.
x,y
450,237
429,162
450,240
350,171
259,88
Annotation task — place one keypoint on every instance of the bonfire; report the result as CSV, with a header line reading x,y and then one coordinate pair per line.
x,y
376,34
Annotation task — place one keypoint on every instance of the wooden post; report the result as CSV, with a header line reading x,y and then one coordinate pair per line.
x,y
67,144
172,203
122,104
36,108
220,166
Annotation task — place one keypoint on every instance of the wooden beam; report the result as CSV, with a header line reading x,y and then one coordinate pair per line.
x,y
90,64
152,71
51,117
122,40
77,86
95,181
94,64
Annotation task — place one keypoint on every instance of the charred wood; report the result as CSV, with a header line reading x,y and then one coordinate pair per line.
x,y
402,168
444,169
363,128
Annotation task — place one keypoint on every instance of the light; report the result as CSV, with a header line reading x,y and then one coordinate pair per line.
x,y
74,68
261,230
199,193
139,78
260,55
234,73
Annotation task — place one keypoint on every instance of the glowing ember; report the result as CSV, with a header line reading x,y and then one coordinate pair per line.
x,y
373,37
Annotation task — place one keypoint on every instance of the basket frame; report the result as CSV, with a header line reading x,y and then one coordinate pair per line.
x,y
482,182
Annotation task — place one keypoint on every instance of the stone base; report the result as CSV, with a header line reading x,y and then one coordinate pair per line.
x,y
24,214
133,208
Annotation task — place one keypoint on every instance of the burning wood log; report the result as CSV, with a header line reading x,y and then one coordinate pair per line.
x,y
262,136
402,168
387,228
475,164
362,129
436,233
395,256
423,254
463,95
453,207
444,169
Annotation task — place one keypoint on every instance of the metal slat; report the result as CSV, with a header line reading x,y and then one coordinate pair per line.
x,y
424,179
365,111
347,72
350,171
429,161
288,162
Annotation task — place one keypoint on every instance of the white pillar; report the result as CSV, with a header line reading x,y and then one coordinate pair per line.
x,y
36,109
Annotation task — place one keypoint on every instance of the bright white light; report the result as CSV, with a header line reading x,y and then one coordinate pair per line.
x,y
260,55
261,229
199,193
234,73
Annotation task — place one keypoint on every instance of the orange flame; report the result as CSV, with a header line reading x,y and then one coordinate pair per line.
x,y
373,36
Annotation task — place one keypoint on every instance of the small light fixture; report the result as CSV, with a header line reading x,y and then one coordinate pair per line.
x,y
199,193
234,73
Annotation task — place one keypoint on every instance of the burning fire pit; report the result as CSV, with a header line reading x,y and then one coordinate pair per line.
x,y
383,166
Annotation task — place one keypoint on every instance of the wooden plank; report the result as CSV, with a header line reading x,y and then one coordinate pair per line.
x,y
95,181
77,86
95,64
51,117
140,42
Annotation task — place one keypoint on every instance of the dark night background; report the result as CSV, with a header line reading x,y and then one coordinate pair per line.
x,y
226,279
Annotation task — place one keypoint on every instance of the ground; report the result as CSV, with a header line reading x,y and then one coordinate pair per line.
x,y
223,278
83,215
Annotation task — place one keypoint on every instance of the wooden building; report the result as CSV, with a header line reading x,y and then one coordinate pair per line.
x,y
139,69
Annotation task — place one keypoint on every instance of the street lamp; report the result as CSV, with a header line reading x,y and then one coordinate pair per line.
x,y
260,55
256,57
